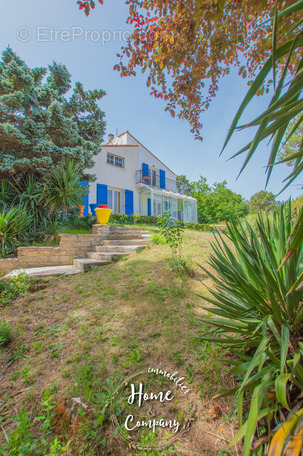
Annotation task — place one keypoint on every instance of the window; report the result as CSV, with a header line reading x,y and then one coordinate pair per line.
x,y
115,161
113,200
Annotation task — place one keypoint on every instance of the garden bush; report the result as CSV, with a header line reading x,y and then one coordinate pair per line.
x,y
258,317
82,223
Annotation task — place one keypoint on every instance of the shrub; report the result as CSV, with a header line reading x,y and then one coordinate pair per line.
x,y
258,318
5,332
84,223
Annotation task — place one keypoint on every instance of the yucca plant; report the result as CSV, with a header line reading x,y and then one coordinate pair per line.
x,y
13,223
29,196
62,189
258,319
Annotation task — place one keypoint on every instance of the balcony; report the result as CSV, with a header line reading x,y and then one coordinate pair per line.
x,y
153,179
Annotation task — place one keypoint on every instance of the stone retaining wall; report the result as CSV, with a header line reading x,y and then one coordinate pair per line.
x,y
71,246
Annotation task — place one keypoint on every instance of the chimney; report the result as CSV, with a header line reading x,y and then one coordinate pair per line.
x,y
110,137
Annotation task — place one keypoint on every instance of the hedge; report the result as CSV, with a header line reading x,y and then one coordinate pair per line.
x,y
199,227
122,219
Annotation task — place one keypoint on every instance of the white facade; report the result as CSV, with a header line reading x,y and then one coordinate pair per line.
x,y
131,180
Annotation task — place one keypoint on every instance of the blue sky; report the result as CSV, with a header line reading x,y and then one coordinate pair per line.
x,y
43,31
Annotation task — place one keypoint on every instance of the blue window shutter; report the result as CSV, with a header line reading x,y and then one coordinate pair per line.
x,y
162,178
148,207
145,173
129,202
101,194
85,198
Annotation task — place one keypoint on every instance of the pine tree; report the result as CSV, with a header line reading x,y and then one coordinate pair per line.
x,y
40,127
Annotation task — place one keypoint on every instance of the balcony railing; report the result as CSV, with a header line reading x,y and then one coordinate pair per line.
x,y
153,179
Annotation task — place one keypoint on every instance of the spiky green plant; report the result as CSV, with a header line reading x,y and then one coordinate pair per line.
x,y
62,189
13,223
257,318
29,196
7,193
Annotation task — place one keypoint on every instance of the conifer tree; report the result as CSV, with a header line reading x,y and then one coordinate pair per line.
x,y
40,126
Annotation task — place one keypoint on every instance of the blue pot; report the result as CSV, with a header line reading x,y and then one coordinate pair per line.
x,y
92,208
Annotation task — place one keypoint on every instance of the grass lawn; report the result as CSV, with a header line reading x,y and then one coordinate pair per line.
x,y
83,334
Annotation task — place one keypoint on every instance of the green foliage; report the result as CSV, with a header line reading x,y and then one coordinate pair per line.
x,y
297,204
7,194
262,201
218,203
51,228
82,223
24,440
257,318
293,140
158,239
39,126
183,185
122,219
15,286
198,227
29,197
172,232
279,122
62,189
13,223
5,332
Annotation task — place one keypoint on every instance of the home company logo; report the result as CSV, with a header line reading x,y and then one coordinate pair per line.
x,y
151,409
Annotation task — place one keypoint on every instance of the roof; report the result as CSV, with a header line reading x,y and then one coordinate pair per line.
x,y
126,145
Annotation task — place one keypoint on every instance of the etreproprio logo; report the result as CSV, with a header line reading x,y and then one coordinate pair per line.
x,y
151,410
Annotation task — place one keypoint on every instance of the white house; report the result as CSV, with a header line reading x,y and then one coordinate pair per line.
x,y
132,180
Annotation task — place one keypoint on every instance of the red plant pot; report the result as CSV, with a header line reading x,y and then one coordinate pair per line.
x,y
103,206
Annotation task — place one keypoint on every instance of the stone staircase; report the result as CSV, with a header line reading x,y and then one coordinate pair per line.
x,y
120,241
107,243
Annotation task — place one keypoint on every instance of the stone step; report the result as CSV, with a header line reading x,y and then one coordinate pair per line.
x,y
127,233
118,248
124,242
129,236
114,256
126,228
100,256
45,271
85,264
